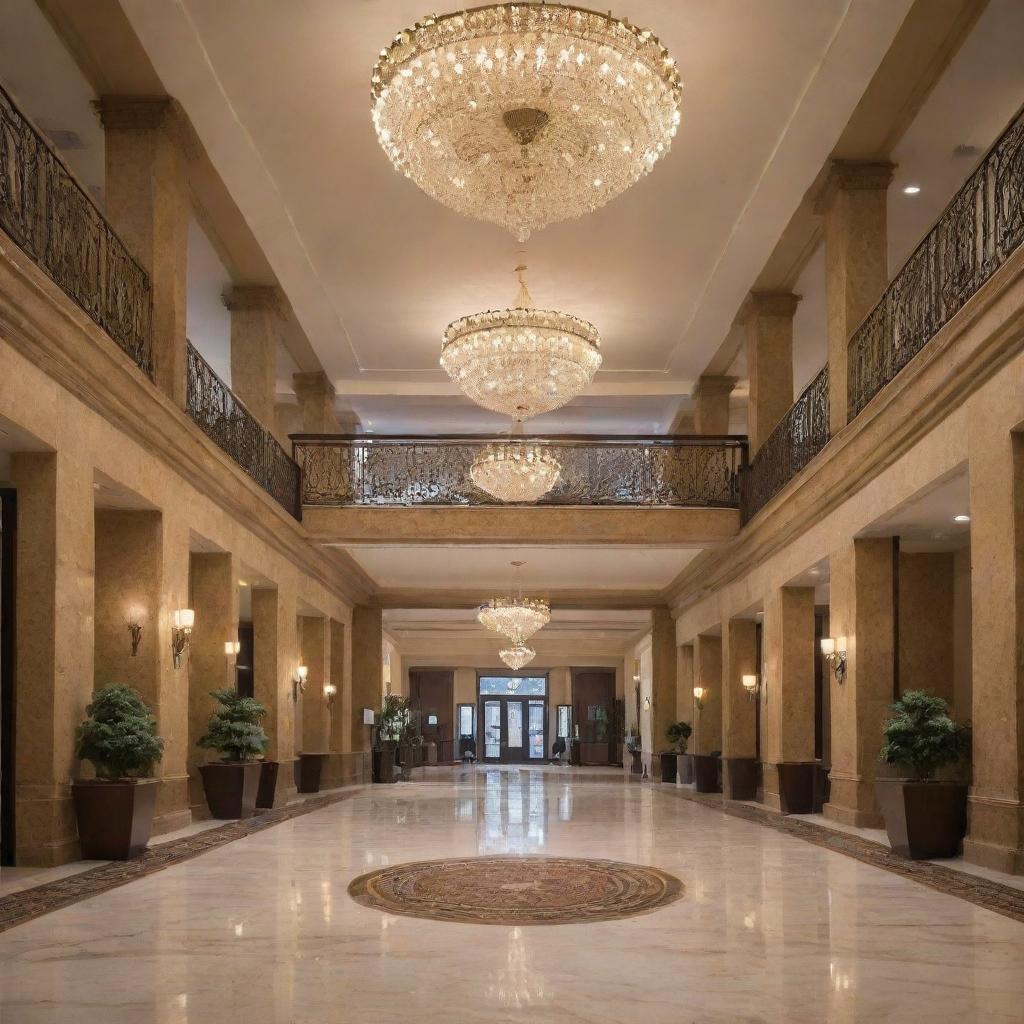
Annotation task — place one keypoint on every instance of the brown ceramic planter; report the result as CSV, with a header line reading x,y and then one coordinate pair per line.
x,y
739,778
668,767
115,819
707,769
231,787
311,768
267,790
636,763
384,762
684,768
797,787
923,819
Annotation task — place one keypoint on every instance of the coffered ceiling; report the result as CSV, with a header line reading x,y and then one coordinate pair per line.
x,y
279,96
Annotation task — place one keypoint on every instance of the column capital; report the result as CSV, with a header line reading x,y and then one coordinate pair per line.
x,y
853,176
249,297
712,384
137,113
772,304
312,385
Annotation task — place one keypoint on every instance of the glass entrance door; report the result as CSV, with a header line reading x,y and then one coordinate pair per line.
x,y
513,716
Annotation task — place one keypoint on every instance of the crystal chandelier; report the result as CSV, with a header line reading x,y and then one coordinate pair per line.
x,y
515,617
517,657
515,471
522,361
525,114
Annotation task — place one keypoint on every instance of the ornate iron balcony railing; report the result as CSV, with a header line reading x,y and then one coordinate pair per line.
x,y
800,435
975,236
48,215
695,472
226,421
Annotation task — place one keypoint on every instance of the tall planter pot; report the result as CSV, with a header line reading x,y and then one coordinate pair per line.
x,y
231,787
636,763
684,768
267,789
115,819
668,767
384,761
311,768
923,819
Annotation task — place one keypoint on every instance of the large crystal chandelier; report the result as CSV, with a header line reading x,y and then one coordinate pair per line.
x,y
515,616
521,362
517,657
525,114
515,471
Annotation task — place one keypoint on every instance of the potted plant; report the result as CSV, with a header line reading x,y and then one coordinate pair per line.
x,y
115,810
235,731
387,732
924,818
676,762
634,746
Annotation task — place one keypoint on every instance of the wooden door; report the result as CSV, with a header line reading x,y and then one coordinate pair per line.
x,y
432,693
593,703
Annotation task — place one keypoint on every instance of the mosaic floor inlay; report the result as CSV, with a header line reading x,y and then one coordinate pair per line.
x,y
517,890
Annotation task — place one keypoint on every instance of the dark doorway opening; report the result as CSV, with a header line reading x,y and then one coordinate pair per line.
x,y
432,694
593,713
8,577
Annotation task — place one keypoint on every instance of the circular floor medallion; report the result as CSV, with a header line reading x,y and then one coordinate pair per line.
x,y
517,890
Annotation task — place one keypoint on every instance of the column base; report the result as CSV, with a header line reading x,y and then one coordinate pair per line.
x,y
995,834
853,802
47,834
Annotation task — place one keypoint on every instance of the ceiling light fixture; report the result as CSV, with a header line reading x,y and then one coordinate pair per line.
x,y
515,471
517,657
525,114
515,617
911,190
523,361
961,518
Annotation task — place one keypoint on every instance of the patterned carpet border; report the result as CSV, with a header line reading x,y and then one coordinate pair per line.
x,y
517,891
28,904
991,895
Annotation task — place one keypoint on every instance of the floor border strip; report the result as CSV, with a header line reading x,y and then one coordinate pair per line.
x,y
29,904
982,892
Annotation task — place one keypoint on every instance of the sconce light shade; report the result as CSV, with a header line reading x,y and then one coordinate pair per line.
x,y
636,670
834,650
330,689
231,647
828,646
184,618
749,683
302,672
698,692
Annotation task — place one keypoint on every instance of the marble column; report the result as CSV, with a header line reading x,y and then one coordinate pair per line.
x,y
316,396
862,611
707,721
215,601
787,684
275,663
136,566
146,201
317,657
684,683
367,671
341,676
769,362
256,324
663,681
711,404
739,712
995,831
926,634
54,639
853,207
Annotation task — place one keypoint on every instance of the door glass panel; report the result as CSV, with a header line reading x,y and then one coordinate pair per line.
x,y
536,728
564,711
515,724
492,728
465,719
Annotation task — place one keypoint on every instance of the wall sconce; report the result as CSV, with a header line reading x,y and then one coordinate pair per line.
x,y
834,650
301,672
750,685
135,628
231,648
636,670
647,703
330,692
698,697
181,633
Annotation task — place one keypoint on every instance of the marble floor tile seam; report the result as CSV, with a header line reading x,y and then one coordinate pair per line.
x,y
26,905
982,892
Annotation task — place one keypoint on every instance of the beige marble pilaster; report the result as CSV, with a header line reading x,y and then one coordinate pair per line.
x,y
684,683
711,404
256,324
316,656
861,609
367,670
663,679
926,635
787,683
146,201
316,396
853,206
769,362
341,675
54,637
995,830
275,663
707,721
739,712
214,599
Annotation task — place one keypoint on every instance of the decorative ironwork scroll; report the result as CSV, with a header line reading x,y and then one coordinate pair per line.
x,y
692,472
799,436
222,417
49,216
976,234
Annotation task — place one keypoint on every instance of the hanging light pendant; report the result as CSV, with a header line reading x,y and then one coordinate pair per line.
x,y
515,617
523,361
515,471
517,657
525,114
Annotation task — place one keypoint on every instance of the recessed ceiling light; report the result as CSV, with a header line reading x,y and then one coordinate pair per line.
x,y
815,572
242,583
911,190
961,519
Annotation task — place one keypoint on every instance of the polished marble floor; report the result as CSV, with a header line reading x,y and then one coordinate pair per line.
x,y
770,929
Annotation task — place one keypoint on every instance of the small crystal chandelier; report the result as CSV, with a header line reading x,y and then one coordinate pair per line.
x,y
515,617
515,471
517,657
525,114
524,361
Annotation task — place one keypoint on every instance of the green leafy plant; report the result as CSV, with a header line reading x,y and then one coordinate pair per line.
x,y
678,733
393,717
235,731
921,736
119,735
